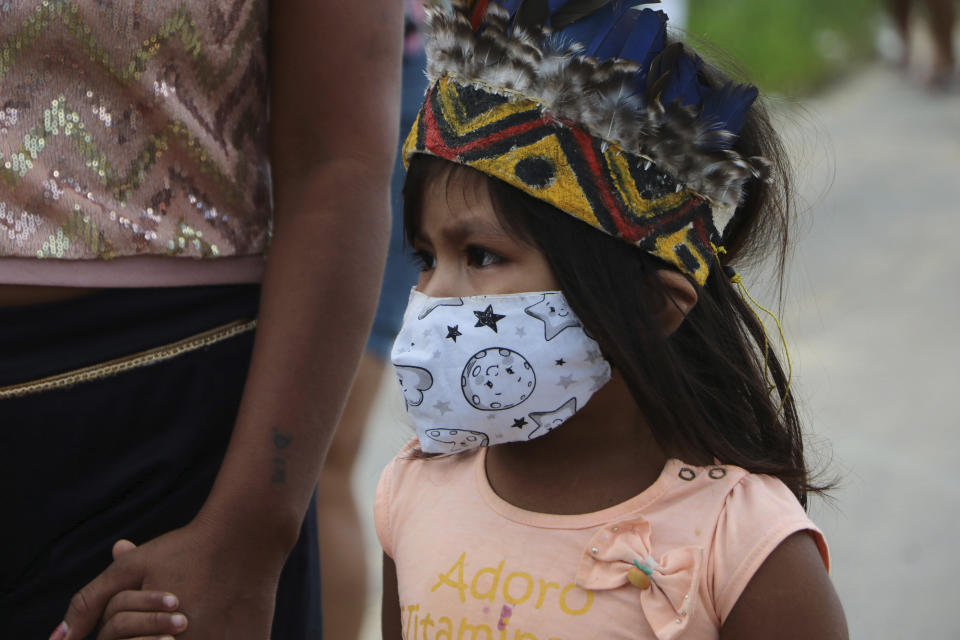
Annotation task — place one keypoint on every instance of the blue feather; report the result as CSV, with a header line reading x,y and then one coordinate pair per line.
x,y
511,6
621,30
609,40
683,84
726,108
646,40
584,31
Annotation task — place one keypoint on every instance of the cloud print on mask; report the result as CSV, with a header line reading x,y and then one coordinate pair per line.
x,y
413,382
456,440
554,313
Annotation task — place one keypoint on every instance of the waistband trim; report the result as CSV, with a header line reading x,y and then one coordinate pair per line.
x,y
129,362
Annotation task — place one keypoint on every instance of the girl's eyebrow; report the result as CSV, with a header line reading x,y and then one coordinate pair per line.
x,y
459,231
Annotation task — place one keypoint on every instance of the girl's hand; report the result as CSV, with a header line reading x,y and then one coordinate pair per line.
x,y
136,614
224,585
139,615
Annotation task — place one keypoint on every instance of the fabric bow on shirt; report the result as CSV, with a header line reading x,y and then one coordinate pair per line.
x,y
669,600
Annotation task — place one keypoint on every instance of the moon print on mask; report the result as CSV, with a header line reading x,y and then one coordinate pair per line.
x,y
413,382
550,420
497,378
456,440
554,313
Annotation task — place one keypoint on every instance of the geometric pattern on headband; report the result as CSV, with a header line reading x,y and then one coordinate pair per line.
x,y
620,193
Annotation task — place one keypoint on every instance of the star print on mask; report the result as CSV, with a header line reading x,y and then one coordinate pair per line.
x,y
593,356
554,313
439,302
487,318
442,407
453,332
519,423
549,420
565,381
598,382
561,362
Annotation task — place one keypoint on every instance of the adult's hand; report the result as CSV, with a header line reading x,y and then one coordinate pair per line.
x,y
225,588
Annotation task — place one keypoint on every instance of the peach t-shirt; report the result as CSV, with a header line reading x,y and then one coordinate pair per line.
x,y
472,566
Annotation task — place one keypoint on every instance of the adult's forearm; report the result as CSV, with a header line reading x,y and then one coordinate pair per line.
x,y
319,295
335,72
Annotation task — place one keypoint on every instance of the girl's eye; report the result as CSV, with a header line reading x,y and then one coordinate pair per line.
x,y
424,259
480,257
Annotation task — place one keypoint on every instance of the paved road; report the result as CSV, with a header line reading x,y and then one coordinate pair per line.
x,y
873,325
871,312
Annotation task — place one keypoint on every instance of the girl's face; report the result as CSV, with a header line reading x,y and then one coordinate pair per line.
x,y
463,249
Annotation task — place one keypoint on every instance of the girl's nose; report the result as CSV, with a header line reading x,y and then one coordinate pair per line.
x,y
441,282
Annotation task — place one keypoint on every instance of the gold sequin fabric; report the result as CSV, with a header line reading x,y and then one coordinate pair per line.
x,y
133,127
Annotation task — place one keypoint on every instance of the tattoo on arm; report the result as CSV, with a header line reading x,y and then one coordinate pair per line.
x,y
280,442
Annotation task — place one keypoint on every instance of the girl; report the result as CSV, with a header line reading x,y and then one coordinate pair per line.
x,y
646,480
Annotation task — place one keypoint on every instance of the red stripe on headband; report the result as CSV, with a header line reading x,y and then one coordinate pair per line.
x,y
436,145
493,138
699,227
479,11
627,232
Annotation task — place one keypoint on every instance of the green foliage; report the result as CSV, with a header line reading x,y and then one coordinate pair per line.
x,y
789,47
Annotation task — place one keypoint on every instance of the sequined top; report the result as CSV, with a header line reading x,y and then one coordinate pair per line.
x,y
132,128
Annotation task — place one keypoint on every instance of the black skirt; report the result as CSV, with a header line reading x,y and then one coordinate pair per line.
x,y
115,412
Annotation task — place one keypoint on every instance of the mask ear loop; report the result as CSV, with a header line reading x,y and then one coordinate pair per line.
x,y
735,278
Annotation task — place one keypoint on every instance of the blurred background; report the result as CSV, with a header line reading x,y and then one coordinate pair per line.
x,y
871,117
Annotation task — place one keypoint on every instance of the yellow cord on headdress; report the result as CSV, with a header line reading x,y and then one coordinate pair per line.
x,y
738,281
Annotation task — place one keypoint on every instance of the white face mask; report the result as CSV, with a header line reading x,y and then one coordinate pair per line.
x,y
485,370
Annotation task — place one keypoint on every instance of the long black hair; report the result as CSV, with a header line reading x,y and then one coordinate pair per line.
x,y
703,389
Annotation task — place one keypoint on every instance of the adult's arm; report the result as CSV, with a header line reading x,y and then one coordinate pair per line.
x,y
334,110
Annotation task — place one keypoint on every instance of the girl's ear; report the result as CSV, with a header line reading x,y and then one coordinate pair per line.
x,y
681,296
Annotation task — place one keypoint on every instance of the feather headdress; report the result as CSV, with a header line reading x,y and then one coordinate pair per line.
x,y
581,103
